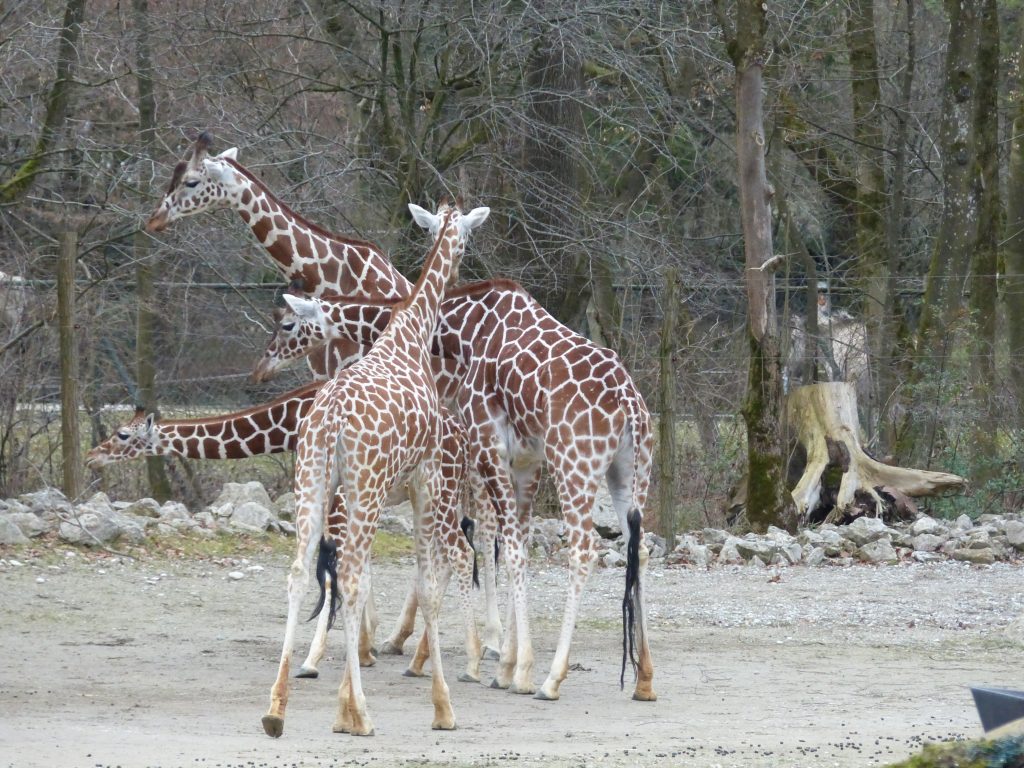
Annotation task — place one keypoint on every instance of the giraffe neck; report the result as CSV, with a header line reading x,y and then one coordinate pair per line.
x,y
417,316
323,261
268,428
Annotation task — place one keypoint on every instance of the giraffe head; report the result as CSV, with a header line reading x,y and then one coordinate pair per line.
x,y
199,183
460,225
136,438
297,333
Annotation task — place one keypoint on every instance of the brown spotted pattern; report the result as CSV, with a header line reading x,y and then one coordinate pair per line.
x,y
532,392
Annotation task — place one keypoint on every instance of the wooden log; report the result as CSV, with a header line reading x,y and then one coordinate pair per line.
x,y
824,419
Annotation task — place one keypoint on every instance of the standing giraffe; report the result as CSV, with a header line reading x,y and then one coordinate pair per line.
x,y
533,392
273,428
373,428
323,263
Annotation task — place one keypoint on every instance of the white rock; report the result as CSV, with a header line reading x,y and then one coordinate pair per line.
x,y
878,551
285,506
253,516
929,525
144,508
28,523
816,556
927,542
1015,534
963,523
174,510
236,575
237,494
10,532
865,529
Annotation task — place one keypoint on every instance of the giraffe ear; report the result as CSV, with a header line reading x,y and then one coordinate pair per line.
x,y
307,309
216,170
228,154
475,218
423,217
150,422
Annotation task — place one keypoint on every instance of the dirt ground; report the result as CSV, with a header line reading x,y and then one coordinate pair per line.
x,y
162,662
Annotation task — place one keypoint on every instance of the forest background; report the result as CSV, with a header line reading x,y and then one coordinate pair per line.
x,y
604,138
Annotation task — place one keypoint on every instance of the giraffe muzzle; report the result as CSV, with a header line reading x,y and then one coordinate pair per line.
x,y
157,222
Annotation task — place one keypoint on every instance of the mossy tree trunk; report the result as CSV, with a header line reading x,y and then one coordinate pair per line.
x,y
958,227
56,106
146,316
984,292
871,201
894,328
768,501
1013,284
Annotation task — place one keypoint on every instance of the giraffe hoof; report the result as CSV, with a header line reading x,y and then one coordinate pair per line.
x,y
390,649
645,696
490,654
495,683
541,695
444,725
365,661
273,725
465,677
523,690
310,672
413,673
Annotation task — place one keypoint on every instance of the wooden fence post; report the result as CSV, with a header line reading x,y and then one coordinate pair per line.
x,y
667,500
70,445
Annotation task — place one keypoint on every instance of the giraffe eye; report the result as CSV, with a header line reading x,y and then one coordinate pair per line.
x,y
289,326
122,435
192,184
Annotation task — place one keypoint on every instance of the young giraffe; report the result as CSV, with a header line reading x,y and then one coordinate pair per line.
x,y
273,428
371,429
324,263
534,392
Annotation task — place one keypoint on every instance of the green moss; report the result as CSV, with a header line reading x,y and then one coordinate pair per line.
x,y
1000,753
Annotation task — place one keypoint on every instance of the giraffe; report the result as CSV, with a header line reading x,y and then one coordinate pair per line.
x,y
323,263
533,391
373,428
273,428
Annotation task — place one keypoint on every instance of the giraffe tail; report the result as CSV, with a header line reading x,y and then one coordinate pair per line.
x,y
632,605
631,599
468,525
327,567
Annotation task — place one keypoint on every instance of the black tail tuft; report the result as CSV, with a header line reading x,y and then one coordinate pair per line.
x,y
631,598
327,565
468,526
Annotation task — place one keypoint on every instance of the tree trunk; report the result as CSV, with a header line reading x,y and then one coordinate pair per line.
x,y
768,502
667,498
70,444
894,330
871,201
824,417
984,294
958,226
145,353
1013,283
56,105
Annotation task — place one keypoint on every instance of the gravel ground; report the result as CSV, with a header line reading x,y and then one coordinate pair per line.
x,y
169,663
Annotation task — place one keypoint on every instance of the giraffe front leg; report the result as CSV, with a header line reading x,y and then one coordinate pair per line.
x,y
487,535
405,625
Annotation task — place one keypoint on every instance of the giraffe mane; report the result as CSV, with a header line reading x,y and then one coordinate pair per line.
x,y
298,216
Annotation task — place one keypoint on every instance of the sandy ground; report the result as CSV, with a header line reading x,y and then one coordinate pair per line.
x,y
169,663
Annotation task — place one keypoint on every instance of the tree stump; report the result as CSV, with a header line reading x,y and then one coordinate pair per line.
x,y
824,417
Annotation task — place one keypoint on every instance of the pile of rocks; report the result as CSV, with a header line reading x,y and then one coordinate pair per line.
x,y
989,539
248,508
241,507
